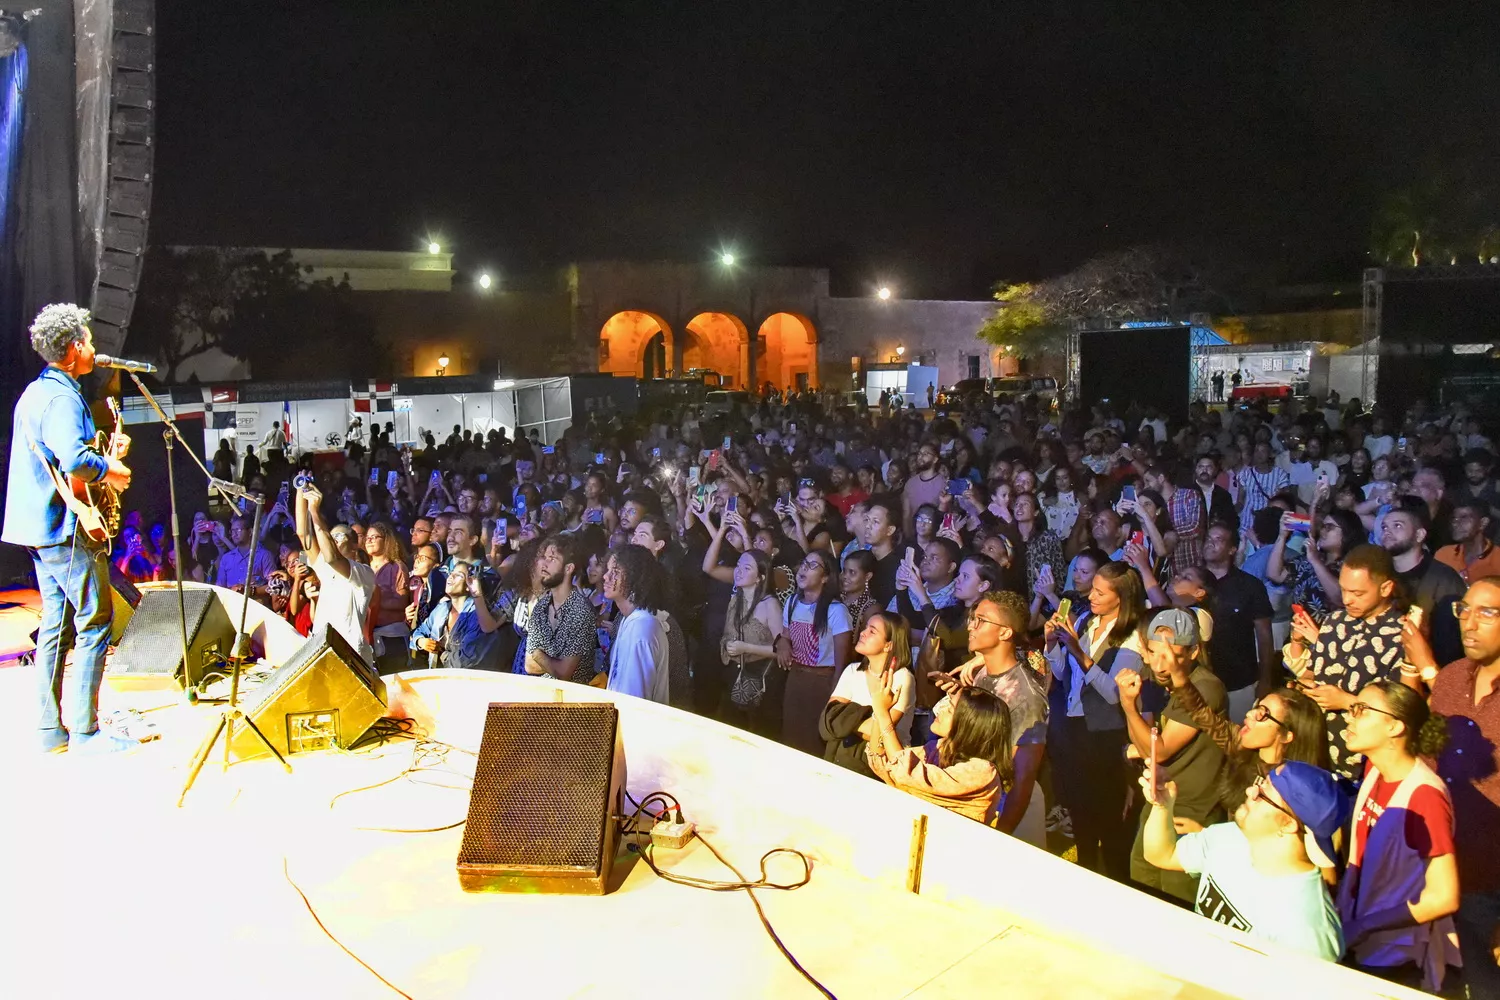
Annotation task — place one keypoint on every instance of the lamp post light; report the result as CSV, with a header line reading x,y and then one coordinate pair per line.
x,y
442,368
485,281
884,294
434,247
900,350
726,258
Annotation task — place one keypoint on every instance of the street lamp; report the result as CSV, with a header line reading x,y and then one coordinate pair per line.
x,y
884,294
442,368
434,248
485,281
900,350
726,258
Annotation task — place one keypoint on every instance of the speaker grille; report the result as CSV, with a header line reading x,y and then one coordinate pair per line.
x,y
542,787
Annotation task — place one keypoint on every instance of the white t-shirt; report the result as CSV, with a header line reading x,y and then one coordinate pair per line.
x,y
853,688
838,624
1294,911
344,601
638,658
1378,446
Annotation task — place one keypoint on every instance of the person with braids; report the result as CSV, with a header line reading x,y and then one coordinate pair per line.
x,y
53,431
968,770
1401,888
814,644
638,657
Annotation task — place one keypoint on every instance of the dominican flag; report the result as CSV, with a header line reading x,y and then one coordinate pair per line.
x,y
378,397
218,406
286,422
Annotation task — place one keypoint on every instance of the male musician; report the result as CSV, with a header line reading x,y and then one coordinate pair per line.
x,y
53,426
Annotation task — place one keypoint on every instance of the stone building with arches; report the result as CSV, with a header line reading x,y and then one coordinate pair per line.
x,y
749,324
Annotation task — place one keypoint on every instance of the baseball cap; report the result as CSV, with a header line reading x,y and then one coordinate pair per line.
x,y
1320,801
1182,624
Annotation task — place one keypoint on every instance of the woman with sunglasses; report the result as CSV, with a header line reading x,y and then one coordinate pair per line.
x,y
1401,889
1284,725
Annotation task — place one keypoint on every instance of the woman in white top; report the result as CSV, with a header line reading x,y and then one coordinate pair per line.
x,y
884,646
1086,727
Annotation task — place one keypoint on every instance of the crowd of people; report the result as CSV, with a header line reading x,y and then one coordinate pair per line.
x,y
1242,660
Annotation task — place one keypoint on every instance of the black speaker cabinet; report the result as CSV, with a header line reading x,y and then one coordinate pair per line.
x,y
547,785
149,654
123,598
324,695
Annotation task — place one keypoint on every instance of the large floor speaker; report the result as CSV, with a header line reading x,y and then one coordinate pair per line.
x,y
324,695
149,654
547,787
123,598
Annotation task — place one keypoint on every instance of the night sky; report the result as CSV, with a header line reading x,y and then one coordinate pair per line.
x,y
936,147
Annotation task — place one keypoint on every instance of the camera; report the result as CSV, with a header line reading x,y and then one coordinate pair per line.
x,y
302,481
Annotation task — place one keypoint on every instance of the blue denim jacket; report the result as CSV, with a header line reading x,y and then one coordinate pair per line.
x,y
467,646
52,413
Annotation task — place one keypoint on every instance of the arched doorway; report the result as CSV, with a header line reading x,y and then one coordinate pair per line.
x,y
789,353
717,342
636,343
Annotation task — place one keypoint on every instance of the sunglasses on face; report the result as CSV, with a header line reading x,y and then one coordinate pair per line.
x,y
1260,713
1359,708
1262,789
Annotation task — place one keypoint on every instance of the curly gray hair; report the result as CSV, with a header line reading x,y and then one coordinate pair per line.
x,y
55,327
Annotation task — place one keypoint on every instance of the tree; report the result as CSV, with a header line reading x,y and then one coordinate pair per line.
x,y
186,298
1140,284
1450,215
253,306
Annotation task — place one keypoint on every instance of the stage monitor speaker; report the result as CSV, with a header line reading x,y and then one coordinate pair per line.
x,y
325,695
547,787
149,655
123,598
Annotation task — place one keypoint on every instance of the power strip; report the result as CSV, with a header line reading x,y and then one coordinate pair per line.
x,y
669,836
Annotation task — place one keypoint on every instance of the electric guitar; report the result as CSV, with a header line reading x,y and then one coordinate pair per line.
x,y
96,505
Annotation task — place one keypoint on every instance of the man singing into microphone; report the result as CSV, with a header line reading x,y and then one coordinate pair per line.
x,y
53,426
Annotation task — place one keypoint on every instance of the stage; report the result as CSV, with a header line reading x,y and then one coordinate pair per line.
x,y
112,890
20,613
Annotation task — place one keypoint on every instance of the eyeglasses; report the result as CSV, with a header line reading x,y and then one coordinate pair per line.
x,y
1260,713
1359,708
1484,614
1261,790
976,619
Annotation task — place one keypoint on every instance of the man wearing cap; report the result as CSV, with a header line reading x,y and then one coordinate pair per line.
x,y
1260,874
1189,757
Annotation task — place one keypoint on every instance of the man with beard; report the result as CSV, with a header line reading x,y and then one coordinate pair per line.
x,y
1216,499
927,486
561,632
1479,486
1429,584
452,635
1464,693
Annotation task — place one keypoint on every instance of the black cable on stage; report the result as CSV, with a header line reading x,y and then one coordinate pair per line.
x,y
286,871
748,887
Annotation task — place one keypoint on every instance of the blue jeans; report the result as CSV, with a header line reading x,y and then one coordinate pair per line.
x,y
1476,919
73,579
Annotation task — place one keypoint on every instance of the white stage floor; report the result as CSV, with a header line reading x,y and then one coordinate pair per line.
x,y
111,891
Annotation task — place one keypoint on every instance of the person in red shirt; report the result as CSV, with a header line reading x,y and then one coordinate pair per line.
x,y
846,492
1465,693
1401,888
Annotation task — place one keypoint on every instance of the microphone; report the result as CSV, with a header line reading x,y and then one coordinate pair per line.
x,y
105,361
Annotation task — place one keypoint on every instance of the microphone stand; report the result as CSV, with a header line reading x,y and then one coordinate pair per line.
x,y
171,434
